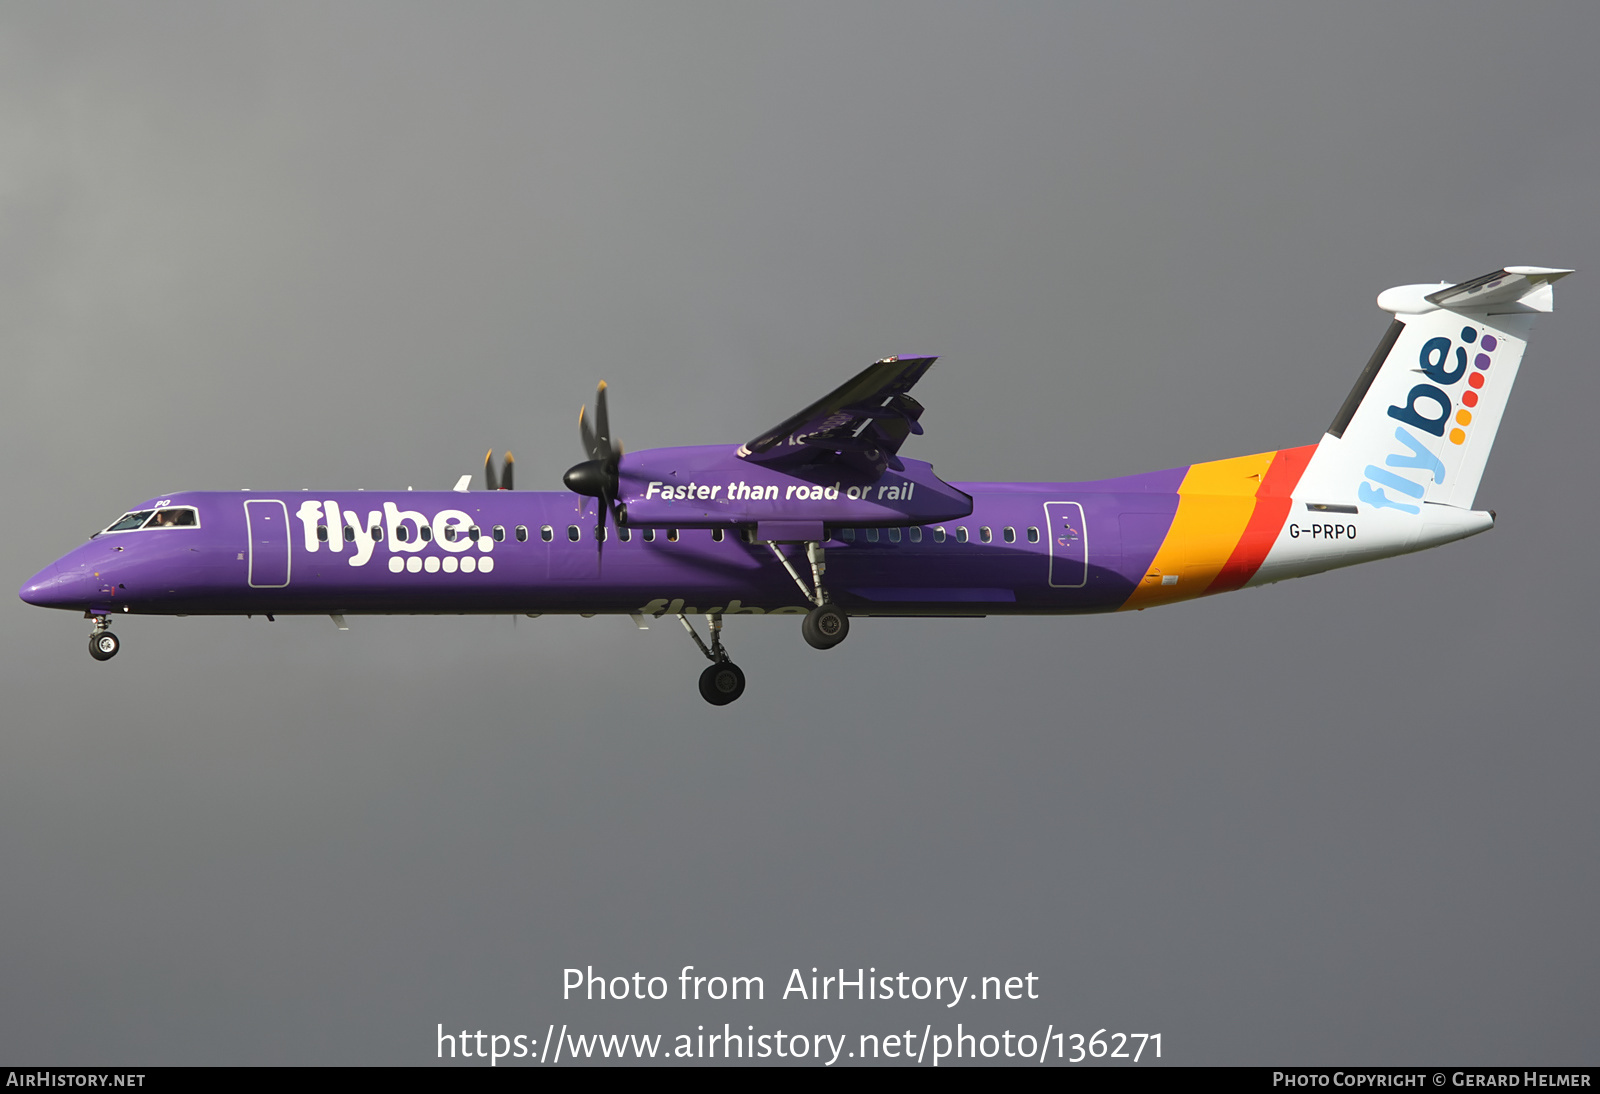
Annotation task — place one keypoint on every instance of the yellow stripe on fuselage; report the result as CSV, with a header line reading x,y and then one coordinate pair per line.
x,y
1215,501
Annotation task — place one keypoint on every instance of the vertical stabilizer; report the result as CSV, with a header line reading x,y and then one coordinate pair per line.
x,y
1419,424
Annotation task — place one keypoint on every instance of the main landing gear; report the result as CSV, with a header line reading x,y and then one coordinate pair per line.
x,y
103,645
827,624
824,627
723,681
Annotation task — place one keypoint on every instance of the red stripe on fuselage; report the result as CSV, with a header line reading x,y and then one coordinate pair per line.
x,y
1272,509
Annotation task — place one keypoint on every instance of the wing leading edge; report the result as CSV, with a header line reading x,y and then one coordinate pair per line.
x,y
861,423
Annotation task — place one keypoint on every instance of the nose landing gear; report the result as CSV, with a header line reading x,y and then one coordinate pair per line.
x,y
103,645
723,681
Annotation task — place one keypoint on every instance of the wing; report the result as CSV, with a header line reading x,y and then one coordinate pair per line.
x,y
862,423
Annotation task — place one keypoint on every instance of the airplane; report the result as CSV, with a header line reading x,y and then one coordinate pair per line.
x,y
821,517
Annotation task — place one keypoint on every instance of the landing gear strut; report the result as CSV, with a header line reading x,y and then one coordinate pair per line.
x,y
826,625
723,681
103,645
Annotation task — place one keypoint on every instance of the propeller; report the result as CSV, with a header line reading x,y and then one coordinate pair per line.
x,y
502,481
597,477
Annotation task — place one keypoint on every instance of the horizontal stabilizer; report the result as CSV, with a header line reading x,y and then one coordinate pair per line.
x,y
1528,286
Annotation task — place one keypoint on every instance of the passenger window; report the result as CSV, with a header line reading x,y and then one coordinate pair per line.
x,y
1033,535
401,533
377,532
985,534
938,535
349,534
847,534
450,532
672,535
547,533
915,534
716,535
961,535
572,532
872,535
473,533
322,533
649,535
427,533
522,533
894,535
600,532
1010,534
625,534
499,534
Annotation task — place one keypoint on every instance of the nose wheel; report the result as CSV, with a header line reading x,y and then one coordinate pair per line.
x,y
723,681
103,645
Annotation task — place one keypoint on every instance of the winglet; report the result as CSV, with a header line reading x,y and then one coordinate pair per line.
x,y
462,484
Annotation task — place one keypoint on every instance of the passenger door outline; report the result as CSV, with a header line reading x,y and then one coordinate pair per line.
x,y
1069,561
267,531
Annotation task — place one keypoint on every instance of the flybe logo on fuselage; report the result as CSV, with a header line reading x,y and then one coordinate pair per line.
x,y
1429,409
406,531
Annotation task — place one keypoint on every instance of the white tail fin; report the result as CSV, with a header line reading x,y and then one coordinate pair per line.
x,y
1418,426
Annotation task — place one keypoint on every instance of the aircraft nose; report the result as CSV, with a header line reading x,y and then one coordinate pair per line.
x,y
53,587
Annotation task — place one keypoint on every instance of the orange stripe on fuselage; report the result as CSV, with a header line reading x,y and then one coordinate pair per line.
x,y
1272,509
1229,514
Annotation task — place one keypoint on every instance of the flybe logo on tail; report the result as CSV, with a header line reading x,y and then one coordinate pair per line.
x,y
1429,410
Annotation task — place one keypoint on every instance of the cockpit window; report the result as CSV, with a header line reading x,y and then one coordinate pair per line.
x,y
131,521
174,518
178,516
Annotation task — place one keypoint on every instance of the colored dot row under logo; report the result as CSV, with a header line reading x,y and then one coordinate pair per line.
x,y
432,564
1469,398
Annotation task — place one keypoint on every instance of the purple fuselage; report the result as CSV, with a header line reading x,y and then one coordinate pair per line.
x,y
1024,548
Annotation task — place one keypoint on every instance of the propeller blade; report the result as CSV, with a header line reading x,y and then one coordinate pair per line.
x,y
614,477
488,471
602,423
505,471
599,475
587,434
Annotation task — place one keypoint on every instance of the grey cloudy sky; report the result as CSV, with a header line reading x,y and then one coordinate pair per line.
x,y
1346,819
